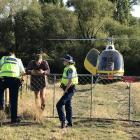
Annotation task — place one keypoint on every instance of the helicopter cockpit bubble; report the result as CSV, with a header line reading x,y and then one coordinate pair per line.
x,y
109,62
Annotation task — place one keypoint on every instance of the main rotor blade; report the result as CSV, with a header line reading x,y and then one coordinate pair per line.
x,y
89,39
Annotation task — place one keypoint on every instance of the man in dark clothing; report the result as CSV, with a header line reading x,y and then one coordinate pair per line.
x,y
38,69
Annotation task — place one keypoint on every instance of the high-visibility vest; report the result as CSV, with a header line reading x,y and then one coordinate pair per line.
x,y
9,67
65,79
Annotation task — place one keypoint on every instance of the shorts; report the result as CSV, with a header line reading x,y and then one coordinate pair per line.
x,y
38,82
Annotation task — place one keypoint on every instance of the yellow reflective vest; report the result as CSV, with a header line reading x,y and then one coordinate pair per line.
x,y
65,79
9,67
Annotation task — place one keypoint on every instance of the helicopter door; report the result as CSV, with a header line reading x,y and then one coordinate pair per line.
x,y
90,62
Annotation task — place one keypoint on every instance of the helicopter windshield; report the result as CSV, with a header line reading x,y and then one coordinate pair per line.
x,y
110,61
93,54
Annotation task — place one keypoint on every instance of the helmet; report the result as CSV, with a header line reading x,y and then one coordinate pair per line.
x,y
68,58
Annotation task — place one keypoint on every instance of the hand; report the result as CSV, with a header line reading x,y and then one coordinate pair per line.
x,y
61,86
41,71
35,72
21,81
65,91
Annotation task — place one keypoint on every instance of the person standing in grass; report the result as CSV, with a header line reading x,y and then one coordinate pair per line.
x,y
12,71
68,84
38,69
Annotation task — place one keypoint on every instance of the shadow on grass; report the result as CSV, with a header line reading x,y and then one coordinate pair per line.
x,y
106,122
132,124
82,90
94,122
28,123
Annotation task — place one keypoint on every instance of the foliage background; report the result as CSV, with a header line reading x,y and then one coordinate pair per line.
x,y
28,24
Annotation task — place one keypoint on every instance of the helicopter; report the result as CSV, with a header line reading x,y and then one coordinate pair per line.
x,y
108,63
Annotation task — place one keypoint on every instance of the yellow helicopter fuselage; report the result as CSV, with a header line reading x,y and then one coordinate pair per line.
x,y
109,62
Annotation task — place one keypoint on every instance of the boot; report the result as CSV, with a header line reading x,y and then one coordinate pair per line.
x,y
69,125
63,125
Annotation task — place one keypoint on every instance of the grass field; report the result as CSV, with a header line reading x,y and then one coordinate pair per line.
x,y
109,108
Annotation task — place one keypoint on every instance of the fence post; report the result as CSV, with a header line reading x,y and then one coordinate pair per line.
x,y
21,91
26,83
129,103
54,96
91,96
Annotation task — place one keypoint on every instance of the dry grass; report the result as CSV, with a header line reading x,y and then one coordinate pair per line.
x,y
135,95
108,102
2,117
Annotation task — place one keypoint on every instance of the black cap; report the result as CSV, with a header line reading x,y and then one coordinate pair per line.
x,y
68,58
10,51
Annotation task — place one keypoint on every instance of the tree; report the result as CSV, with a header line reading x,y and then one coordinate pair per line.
x,y
30,25
6,33
58,23
91,16
28,30
10,7
122,10
131,2
2,5
55,2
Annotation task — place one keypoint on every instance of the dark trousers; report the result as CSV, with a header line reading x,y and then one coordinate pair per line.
x,y
65,100
13,85
1,96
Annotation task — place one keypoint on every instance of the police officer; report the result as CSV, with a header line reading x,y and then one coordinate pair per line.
x,y
11,70
68,82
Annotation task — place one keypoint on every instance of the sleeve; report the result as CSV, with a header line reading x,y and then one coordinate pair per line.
x,y
29,67
47,68
69,73
1,62
22,69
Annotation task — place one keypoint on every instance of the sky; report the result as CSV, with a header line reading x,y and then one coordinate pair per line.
x,y
136,12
